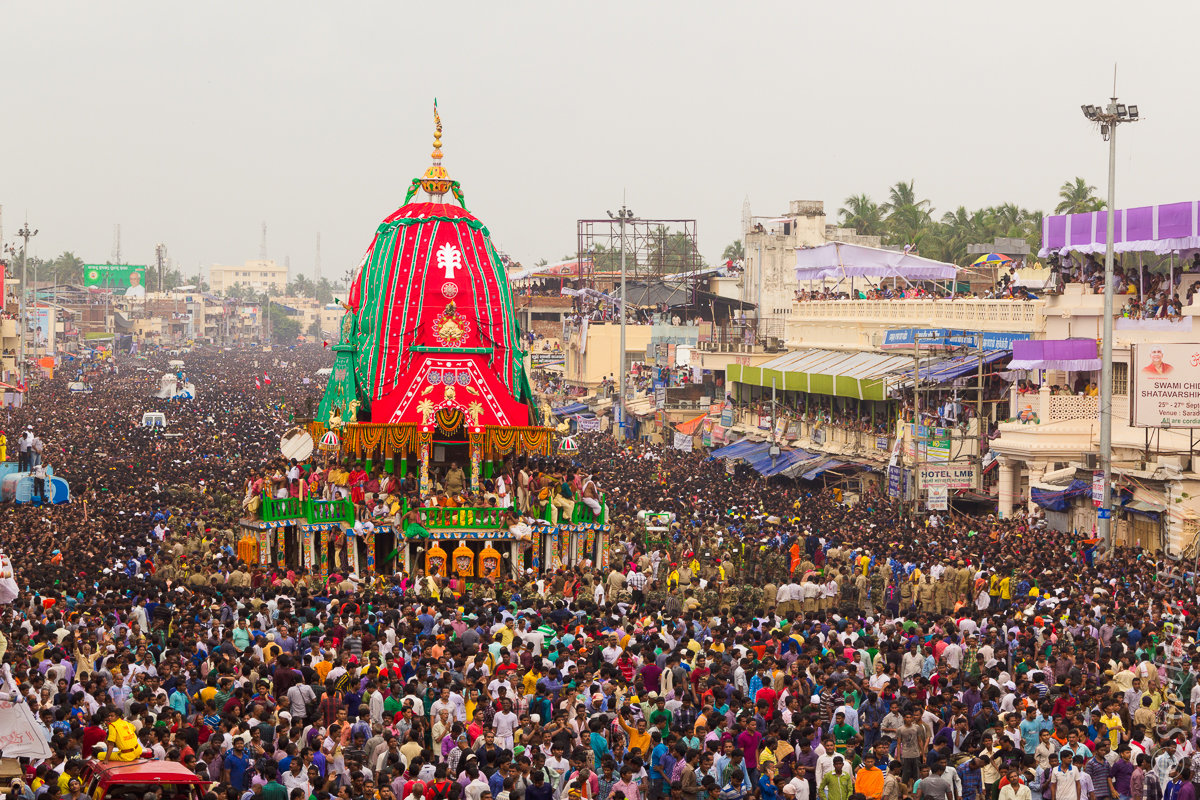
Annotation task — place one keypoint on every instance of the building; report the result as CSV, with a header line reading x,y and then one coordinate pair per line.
x,y
259,275
768,280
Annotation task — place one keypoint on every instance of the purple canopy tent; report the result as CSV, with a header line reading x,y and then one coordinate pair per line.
x,y
839,260
1074,355
1157,229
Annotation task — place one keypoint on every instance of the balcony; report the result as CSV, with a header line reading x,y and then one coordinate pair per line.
x,y
310,510
1044,408
985,315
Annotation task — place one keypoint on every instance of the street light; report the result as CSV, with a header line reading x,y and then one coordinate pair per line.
x,y
623,216
25,234
1108,118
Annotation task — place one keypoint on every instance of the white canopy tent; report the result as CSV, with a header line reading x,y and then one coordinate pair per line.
x,y
838,260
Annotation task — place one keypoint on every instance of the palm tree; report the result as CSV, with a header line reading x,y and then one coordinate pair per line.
x,y
733,251
862,214
68,268
907,217
1077,197
301,287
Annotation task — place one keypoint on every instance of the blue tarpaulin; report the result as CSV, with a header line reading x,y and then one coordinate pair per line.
x,y
735,450
786,460
757,456
1059,500
958,367
569,409
816,471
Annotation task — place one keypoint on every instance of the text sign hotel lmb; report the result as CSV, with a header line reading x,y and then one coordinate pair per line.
x,y
1165,386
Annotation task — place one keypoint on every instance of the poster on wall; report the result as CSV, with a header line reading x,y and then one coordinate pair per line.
x,y
1165,386
43,330
938,498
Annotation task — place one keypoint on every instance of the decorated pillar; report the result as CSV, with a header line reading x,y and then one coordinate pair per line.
x,y
602,554
264,547
323,560
281,547
309,557
425,443
476,445
369,541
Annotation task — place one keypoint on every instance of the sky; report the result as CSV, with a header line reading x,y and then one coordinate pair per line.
x,y
192,124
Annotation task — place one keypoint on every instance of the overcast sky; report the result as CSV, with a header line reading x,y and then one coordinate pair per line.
x,y
191,124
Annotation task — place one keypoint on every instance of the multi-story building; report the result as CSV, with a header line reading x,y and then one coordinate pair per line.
x,y
768,280
259,275
1041,439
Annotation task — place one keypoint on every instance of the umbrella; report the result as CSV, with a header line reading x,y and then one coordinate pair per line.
x,y
991,259
567,445
330,442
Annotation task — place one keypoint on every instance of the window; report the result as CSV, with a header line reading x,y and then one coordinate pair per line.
x,y
1120,378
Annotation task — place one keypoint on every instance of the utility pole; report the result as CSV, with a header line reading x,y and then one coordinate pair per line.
x,y
25,234
158,258
980,428
917,437
623,216
1108,118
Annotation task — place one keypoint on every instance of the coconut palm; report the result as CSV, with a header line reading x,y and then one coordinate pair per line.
x,y
1077,197
907,216
68,268
862,214
733,251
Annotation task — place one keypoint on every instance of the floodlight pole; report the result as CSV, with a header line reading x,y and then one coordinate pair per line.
x,y
622,216
1111,116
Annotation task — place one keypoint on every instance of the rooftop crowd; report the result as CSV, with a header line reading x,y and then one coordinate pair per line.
x,y
771,642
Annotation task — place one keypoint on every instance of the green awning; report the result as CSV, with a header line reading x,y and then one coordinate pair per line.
x,y
828,372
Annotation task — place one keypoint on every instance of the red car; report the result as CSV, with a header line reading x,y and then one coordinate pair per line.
x,y
131,780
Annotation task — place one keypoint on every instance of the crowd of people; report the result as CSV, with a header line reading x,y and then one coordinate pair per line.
x,y
768,639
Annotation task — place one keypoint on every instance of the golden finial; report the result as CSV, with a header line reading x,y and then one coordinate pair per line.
x,y
437,135
436,180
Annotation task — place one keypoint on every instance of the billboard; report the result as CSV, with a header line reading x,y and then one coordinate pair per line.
x,y
124,279
1165,386
43,330
946,337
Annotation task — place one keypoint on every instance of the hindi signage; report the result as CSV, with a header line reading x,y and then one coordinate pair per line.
x,y
938,498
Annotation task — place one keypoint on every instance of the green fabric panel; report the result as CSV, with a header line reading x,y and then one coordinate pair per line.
x,y
795,381
845,386
752,375
339,393
385,335
769,375
820,384
872,389
733,373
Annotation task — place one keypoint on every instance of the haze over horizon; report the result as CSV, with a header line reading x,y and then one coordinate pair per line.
x,y
192,125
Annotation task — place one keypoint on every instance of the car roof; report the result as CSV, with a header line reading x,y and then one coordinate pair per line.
x,y
144,771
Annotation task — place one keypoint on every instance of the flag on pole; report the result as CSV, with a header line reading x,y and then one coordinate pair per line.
x,y
257,383
266,379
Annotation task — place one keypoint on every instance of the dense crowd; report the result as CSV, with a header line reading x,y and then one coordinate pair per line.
x,y
763,639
